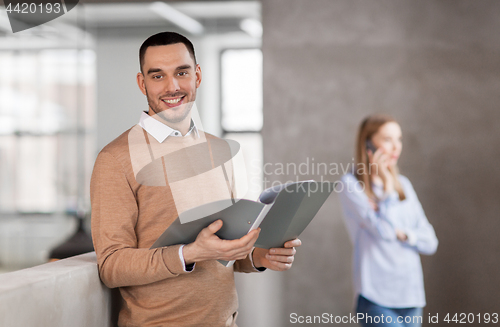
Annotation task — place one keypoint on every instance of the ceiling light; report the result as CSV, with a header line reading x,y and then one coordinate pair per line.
x,y
252,26
176,17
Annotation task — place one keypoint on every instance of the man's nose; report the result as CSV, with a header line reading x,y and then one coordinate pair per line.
x,y
171,85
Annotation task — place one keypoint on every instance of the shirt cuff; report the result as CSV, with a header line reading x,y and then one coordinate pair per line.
x,y
412,238
187,268
390,197
251,261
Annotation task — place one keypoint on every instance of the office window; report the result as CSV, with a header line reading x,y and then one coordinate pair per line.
x,y
241,90
241,109
46,113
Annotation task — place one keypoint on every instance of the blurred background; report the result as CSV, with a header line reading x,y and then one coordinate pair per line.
x,y
290,80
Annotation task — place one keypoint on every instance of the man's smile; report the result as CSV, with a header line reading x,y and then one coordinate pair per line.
x,y
173,102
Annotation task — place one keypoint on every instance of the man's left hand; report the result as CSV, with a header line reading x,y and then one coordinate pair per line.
x,y
279,259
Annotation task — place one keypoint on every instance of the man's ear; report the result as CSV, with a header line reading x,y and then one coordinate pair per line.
x,y
140,83
198,76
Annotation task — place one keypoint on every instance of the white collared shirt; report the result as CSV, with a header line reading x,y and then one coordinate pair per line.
x,y
160,131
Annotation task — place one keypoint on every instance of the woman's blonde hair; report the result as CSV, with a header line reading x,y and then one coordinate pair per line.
x,y
368,128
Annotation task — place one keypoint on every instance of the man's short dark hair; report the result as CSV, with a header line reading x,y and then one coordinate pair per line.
x,y
165,38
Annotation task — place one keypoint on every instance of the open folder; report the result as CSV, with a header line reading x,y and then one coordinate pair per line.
x,y
282,212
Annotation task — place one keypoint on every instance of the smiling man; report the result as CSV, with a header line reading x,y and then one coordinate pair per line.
x,y
183,284
169,78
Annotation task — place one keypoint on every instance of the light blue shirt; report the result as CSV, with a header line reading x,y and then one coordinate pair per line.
x,y
387,271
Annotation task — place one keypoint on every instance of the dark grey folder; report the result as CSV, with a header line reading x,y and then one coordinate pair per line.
x,y
237,221
295,206
282,212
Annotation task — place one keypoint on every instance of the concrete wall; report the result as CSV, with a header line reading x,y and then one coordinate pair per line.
x,y
435,66
59,294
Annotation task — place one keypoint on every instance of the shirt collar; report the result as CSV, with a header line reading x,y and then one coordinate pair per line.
x,y
160,131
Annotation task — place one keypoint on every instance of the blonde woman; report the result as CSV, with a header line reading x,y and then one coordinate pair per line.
x,y
388,228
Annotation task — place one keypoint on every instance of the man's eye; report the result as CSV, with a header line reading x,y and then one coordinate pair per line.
x,y
157,76
182,73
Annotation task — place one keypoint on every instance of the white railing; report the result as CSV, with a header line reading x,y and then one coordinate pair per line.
x,y
65,293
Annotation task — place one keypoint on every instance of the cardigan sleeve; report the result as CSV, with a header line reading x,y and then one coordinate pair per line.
x,y
114,217
246,265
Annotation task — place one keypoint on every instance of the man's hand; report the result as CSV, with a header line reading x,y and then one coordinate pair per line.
x,y
209,246
279,259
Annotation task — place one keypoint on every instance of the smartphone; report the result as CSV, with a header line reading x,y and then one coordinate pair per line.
x,y
370,146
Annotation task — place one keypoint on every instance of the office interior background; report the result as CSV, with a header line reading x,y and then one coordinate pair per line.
x,y
290,80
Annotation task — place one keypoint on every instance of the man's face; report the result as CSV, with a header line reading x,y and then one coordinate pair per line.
x,y
169,80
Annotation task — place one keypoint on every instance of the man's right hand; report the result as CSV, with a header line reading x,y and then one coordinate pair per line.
x,y
209,246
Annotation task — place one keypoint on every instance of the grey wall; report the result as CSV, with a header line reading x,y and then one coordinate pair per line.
x,y
119,99
435,66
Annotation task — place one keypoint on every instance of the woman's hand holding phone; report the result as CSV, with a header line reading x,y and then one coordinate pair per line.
x,y
381,161
401,236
